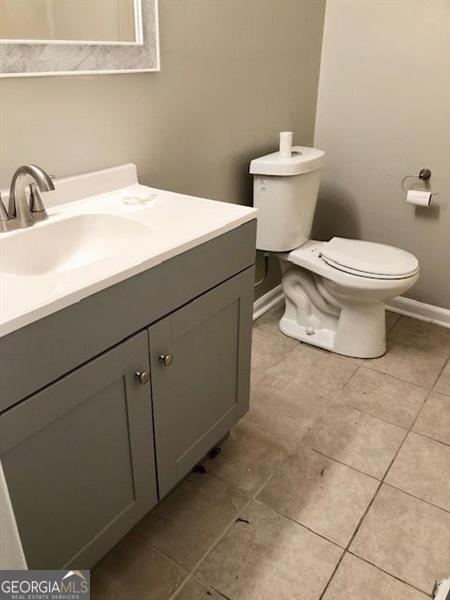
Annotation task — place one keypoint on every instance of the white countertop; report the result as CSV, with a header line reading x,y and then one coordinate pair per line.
x,y
163,226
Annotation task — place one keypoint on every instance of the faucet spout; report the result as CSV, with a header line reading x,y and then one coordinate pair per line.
x,y
18,207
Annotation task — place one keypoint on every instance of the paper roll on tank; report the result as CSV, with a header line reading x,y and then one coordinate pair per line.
x,y
286,144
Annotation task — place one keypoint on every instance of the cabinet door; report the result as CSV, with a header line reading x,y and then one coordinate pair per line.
x,y
205,389
79,459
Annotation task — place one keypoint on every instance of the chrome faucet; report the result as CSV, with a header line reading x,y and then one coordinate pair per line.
x,y
20,213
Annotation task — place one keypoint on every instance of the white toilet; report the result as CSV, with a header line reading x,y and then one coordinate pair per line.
x,y
335,291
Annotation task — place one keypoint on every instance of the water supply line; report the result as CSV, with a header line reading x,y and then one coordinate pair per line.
x,y
266,271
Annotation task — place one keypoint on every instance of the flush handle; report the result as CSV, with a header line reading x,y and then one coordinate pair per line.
x,y
166,359
142,377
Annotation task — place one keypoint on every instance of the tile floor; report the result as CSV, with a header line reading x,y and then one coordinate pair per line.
x,y
334,486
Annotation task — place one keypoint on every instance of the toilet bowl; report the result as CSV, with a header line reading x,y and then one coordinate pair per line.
x,y
340,305
335,291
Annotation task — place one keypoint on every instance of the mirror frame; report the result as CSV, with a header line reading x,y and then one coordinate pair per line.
x,y
40,59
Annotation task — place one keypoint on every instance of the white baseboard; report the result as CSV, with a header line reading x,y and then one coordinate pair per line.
x,y
401,305
420,310
265,302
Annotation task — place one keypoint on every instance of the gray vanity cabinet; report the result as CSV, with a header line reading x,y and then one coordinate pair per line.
x,y
200,362
79,459
87,447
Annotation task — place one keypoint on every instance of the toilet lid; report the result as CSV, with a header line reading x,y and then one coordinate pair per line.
x,y
369,259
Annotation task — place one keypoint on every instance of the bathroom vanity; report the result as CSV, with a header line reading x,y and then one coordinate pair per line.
x,y
129,366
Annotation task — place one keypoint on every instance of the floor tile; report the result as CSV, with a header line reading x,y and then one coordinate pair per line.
x,y
285,415
434,418
247,458
356,439
422,468
357,580
195,590
405,537
186,523
384,396
422,335
316,370
308,488
134,570
409,363
268,349
443,383
266,556
270,321
391,320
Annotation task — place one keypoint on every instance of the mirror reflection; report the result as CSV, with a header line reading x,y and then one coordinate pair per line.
x,y
70,21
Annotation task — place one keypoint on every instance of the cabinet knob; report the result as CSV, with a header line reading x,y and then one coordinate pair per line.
x,y
142,376
166,359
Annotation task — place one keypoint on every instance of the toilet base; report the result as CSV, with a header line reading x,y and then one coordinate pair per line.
x,y
359,332
323,338
320,313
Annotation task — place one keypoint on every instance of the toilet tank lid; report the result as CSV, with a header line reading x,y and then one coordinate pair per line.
x,y
303,160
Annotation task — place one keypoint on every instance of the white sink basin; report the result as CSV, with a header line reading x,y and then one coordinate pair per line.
x,y
102,228
71,243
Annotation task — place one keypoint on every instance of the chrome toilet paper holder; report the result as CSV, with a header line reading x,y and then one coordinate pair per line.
x,y
424,175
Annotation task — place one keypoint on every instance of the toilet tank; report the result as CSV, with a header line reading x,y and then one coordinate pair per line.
x,y
285,193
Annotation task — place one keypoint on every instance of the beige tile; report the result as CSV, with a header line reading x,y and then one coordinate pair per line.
x,y
270,320
434,418
194,590
316,370
309,487
443,383
187,522
356,439
268,348
384,396
285,415
422,468
247,458
134,570
357,580
269,557
391,320
409,363
422,335
405,537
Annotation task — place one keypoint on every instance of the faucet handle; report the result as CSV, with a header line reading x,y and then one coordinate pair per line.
x,y
6,224
37,207
3,213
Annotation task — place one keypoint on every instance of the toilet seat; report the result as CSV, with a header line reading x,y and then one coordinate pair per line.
x,y
368,259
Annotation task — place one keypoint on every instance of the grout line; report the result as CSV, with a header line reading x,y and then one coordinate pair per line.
x,y
367,509
169,559
381,482
288,518
180,587
387,573
350,542
342,463
416,497
212,546
223,533
423,387
370,414
427,437
233,521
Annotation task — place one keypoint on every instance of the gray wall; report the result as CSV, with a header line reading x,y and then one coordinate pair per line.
x,y
383,113
234,73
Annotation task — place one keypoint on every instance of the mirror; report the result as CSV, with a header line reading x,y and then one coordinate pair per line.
x,y
66,37
70,21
